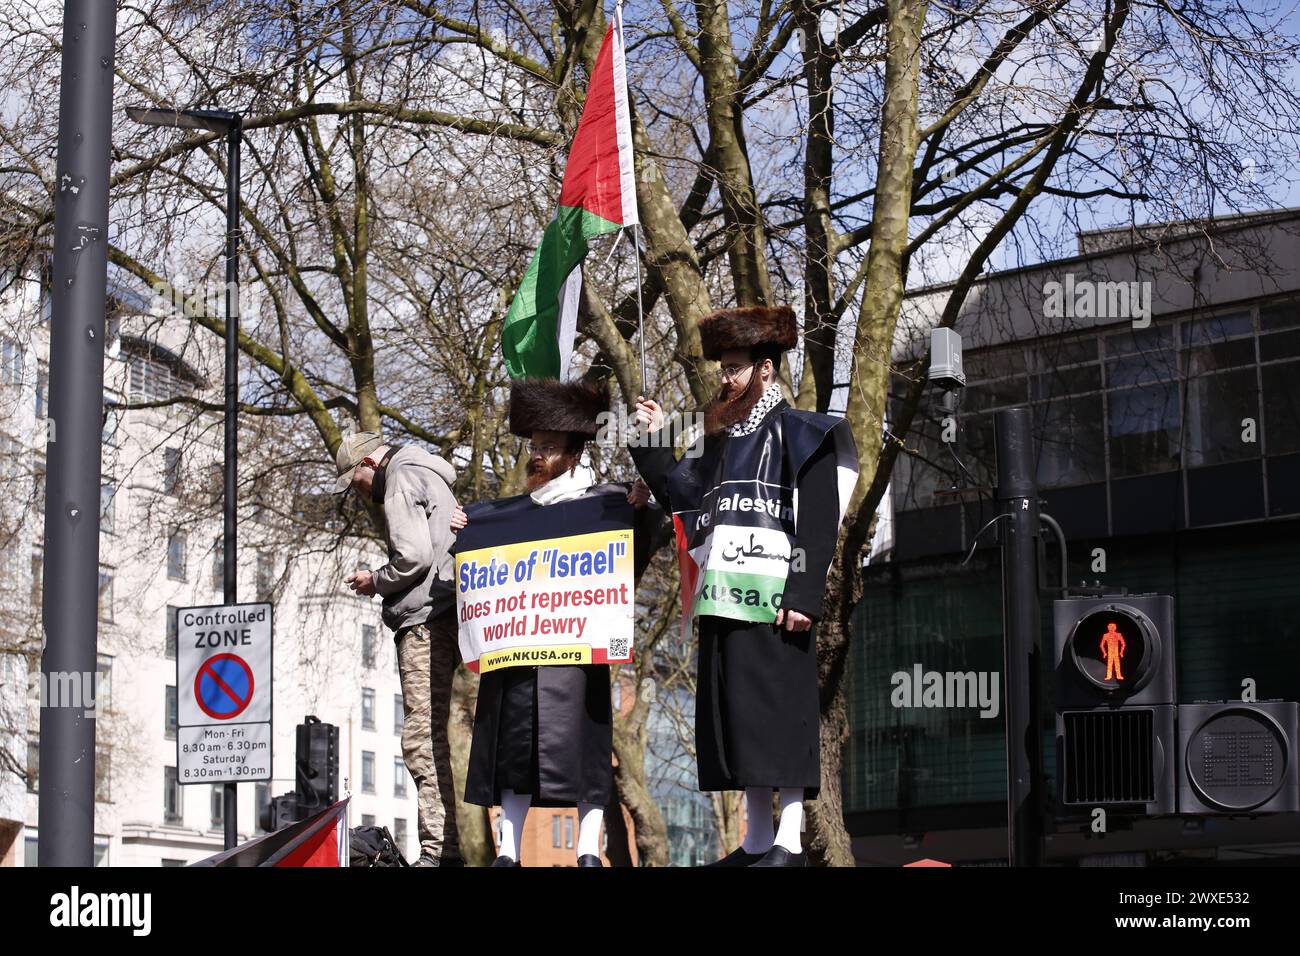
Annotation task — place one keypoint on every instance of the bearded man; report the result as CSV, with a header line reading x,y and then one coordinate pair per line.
x,y
757,515
543,736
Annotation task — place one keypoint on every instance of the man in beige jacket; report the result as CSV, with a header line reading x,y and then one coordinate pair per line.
x,y
420,609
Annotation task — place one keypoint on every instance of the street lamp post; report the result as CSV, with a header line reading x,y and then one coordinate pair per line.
x,y
231,124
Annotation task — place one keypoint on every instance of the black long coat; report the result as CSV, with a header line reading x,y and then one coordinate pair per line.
x,y
548,731
757,713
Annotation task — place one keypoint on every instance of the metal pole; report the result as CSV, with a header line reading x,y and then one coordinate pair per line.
x,y
1018,494
70,598
230,558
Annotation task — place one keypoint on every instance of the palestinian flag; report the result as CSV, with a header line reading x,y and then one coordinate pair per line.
x,y
598,197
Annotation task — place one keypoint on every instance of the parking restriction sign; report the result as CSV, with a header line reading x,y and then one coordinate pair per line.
x,y
223,681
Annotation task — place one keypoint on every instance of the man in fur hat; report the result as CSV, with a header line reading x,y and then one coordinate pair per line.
x,y
756,516
543,736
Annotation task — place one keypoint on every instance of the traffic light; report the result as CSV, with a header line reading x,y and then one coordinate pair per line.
x,y
1123,741
1238,757
317,777
1116,697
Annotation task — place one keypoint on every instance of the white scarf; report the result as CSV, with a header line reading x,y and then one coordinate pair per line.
x,y
771,395
565,487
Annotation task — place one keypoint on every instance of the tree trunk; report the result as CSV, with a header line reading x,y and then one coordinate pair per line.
x,y
648,825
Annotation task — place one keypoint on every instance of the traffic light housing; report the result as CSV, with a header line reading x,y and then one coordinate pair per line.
x,y
1124,742
1238,757
317,762
1116,697
316,776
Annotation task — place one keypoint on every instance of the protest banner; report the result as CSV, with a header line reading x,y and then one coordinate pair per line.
x,y
539,585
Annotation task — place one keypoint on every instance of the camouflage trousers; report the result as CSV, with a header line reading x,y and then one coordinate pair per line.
x,y
427,656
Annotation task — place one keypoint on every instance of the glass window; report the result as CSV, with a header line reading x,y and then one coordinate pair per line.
x,y
367,708
1279,345
1144,429
105,595
265,575
112,419
107,494
42,390
994,378
1215,410
171,796
1281,315
218,805
38,573
369,642
399,714
1055,353
1139,356
103,776
399,834
171,471
11,362
1217,342
169,646
367,772
1282,408
1216,328
399,777
218,564
367,819
555,830
568,833
169,717
176,556
1070,441
1065,381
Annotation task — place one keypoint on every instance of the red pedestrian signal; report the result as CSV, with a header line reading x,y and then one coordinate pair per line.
x,y
1112,650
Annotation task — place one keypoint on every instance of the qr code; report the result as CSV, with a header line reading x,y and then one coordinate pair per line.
x,y
618,649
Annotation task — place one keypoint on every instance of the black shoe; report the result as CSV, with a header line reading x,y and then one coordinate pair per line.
x,y
780,856
505,861
428,859
588,859
737,857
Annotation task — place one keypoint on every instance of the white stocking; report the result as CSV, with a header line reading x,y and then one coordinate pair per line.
x,y
758,810
787,832
590,817
514,810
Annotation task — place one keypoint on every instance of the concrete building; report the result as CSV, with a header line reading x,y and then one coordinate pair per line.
x,y
160,549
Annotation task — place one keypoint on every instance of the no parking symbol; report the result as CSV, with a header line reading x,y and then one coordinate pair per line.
x,y
223,687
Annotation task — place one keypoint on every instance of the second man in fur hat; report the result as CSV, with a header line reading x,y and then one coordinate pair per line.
x,y
543,736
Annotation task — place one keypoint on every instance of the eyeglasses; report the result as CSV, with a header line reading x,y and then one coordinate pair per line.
x,y
731,371
546,451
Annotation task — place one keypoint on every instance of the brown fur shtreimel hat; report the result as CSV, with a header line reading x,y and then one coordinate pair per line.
x,y
552,405
746,328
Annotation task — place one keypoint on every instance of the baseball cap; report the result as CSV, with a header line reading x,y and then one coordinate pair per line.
x,y
353,449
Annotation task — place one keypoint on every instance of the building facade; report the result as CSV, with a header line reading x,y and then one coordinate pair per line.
x,y
160,549
1162,370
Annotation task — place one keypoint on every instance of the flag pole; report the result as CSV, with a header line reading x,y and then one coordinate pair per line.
x,y
640,313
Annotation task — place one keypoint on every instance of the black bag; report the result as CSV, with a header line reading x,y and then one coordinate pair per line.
x,y
374,846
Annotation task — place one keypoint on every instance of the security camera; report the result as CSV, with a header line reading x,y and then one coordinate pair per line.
x,y
945,360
